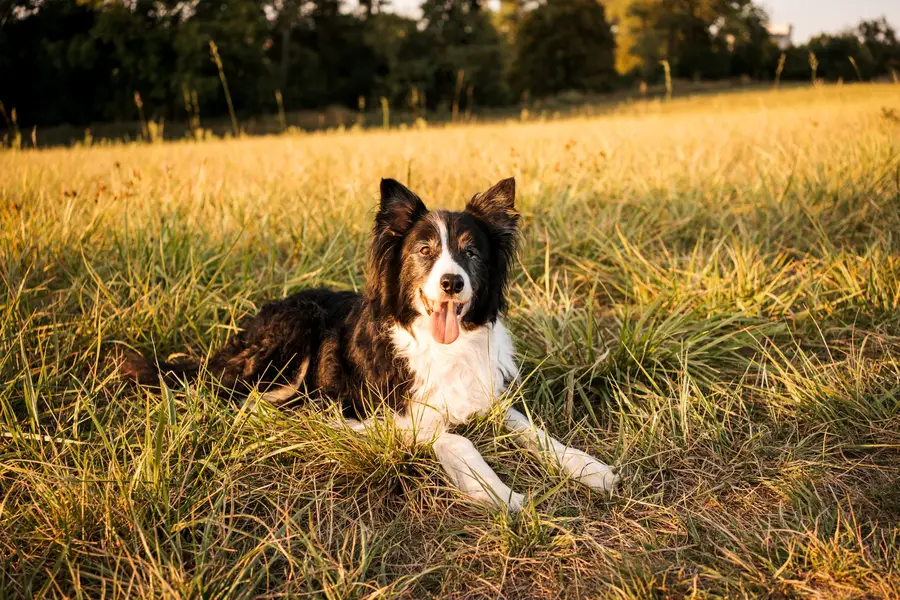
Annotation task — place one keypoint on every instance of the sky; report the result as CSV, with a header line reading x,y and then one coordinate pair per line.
x,y
811,17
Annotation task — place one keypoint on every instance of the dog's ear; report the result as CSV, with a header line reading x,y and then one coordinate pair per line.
x,y
399,209
497,207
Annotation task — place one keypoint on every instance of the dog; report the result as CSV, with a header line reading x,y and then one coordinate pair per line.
x,y
425,340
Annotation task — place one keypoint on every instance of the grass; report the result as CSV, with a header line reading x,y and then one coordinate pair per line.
x,y
708,295
196,126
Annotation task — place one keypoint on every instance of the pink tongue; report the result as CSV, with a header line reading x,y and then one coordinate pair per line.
x,y
444,325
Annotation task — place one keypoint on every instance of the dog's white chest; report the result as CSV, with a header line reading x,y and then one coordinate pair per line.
x,y
453,382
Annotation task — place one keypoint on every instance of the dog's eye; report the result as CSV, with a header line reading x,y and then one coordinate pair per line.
x,y
425,250
471,252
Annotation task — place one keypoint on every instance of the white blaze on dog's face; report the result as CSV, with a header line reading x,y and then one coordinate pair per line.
x,y
444,262
452,265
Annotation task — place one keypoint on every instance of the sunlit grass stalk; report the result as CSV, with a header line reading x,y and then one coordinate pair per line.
x,y
214,51
859,76
780,69
460,75
668,72
414,102
282,117
13,125
139,103
814,68
385,113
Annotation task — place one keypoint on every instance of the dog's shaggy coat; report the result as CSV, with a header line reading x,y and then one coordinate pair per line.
x,y
425,339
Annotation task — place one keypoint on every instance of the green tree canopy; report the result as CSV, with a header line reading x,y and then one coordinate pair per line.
x,y
82,61
565,45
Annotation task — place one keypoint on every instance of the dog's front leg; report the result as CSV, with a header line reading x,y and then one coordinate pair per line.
x,y
579,465
468,472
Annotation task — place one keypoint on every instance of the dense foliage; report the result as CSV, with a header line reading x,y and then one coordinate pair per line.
x,y
82,61
565,45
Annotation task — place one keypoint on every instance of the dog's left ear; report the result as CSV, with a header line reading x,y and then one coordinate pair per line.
x,y
398,210
497,207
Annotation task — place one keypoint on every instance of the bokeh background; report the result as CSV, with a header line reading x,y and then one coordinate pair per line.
x,y
265,65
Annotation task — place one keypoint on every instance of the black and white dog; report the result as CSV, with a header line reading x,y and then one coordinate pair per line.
x,y
425,339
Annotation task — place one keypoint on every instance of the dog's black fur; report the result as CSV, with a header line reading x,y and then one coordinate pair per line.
x,y
337,343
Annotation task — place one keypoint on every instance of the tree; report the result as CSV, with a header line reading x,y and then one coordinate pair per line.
x,y
565,45
82,61
460,38
743,28
680,32
48,54
706,39
240,30
373,7
881,41
138,40
401,58
509,18
870,50
842,56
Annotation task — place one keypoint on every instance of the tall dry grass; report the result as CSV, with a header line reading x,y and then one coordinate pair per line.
x,y
708,295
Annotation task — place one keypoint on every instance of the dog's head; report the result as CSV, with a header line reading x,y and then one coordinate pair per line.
x,y
448,267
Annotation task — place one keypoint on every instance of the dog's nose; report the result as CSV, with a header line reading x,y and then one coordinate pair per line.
x,y
452,283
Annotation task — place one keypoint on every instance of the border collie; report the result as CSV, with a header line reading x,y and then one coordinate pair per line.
x,y
425,339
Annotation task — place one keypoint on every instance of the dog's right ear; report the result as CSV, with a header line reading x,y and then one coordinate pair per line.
x,y
399,209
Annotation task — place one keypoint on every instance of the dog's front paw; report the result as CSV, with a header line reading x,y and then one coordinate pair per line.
x,y
516,501
506,499
589,471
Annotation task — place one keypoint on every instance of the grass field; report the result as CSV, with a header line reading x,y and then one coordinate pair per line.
x,y
708,295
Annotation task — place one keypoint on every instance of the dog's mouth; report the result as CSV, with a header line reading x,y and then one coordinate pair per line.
x,y
444,316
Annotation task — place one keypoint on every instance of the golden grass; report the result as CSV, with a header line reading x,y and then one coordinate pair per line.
x,y
708,295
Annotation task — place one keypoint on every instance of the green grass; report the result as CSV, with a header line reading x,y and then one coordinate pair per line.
x,y
708,295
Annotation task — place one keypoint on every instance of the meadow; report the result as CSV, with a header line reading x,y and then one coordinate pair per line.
x,y
707,295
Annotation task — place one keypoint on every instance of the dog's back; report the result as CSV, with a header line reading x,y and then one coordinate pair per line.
x,y
276,348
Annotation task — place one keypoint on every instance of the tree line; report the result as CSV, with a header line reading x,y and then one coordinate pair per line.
x,y
84,61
